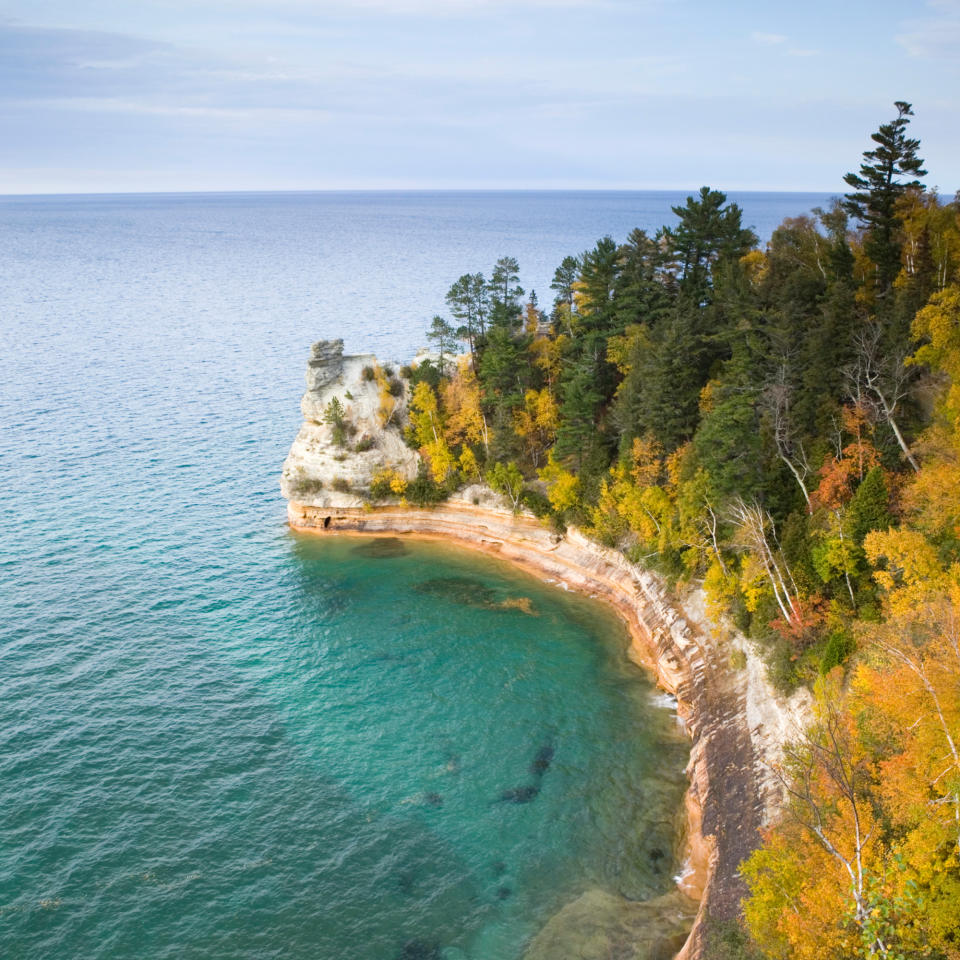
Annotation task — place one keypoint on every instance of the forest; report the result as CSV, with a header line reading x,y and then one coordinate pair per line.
x,y
780,425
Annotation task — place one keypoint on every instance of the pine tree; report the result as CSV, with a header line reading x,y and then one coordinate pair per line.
x,y
505,292
877,188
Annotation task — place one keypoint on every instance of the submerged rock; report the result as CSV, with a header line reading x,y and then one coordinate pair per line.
x,y
519,794
382,548
420,950
599,925
543,759
472,593
462,590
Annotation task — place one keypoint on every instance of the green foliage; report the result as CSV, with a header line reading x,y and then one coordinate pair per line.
x,y
878,186
341,485
424,372
424,491
840,645
368,374
870,507
335,416
507,479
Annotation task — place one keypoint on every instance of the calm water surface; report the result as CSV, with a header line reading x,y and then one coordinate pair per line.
x,y
220,739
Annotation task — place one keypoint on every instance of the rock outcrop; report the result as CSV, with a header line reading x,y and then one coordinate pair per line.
x,y
735,720
319,471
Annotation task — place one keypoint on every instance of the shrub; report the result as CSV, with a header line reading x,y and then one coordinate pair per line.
x,y
423,490
536,503
368,374
395,387
388,371
340,485
302,484
387,483
364,444
738,659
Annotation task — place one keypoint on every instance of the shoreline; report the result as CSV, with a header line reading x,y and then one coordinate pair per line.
x,y
728,798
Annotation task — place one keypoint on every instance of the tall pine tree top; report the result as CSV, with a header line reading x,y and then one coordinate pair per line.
x,y
877,188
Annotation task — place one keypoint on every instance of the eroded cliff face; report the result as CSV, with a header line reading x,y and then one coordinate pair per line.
x,y
736,721
320,472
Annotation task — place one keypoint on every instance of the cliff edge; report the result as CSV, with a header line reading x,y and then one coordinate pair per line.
x,y
735,719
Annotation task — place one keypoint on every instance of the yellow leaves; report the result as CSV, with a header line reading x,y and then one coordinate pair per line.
x,y
469,468
706,401
911,571
647,454
388,482
548,355
563,487
939,323
539,415
465,422
753,582
720,587
932,497
621,349
426,427
755,265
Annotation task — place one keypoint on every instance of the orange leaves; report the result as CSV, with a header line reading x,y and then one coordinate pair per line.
x,y
840,473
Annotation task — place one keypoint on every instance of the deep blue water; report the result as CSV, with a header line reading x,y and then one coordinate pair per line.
x,y
221,739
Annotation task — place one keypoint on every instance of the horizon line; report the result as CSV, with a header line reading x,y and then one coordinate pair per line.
x,y
312,190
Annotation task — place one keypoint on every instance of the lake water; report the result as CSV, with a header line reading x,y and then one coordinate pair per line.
x,y
221,739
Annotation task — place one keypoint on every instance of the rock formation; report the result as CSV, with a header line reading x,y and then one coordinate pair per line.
x,y
320,472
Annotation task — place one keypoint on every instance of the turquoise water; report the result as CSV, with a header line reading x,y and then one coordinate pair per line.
x,y
305,754
218,739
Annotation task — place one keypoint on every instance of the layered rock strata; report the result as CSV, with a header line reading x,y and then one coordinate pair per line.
x,y
735,720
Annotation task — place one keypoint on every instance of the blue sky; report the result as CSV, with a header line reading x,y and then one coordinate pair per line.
x,y
115,95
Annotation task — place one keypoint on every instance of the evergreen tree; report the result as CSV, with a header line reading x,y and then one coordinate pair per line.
x,y
708,232
468,303
870,507
876,189
642,295
505,293
444,336
564,278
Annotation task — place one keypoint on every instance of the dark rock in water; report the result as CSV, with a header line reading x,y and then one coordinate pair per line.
x,y
519,794
433,800
499,868
503,893
463,590
420,950
382,548
406,881
541,762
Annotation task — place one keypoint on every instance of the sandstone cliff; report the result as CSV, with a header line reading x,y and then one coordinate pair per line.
x,y
735,719
320,472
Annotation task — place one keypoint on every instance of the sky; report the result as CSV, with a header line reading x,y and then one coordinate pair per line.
x,y
160,95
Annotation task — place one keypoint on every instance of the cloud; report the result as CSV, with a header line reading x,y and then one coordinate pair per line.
x,y
935,36
767,39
